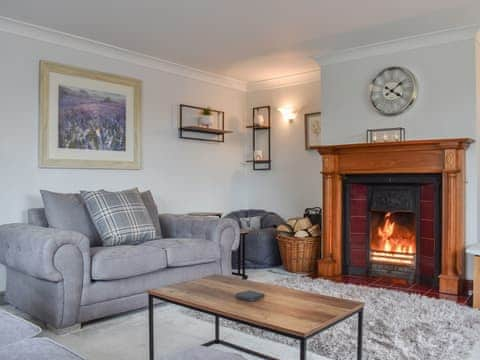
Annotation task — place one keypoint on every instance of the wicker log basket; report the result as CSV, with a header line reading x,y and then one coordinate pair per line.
x,y
299,255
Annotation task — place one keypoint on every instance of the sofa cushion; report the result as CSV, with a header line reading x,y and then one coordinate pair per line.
x,y
183,252
68,212
120,217
14,328
120,262
151,206
37,349
251,223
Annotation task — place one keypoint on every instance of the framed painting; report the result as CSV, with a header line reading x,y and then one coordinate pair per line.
x,y
88,119
312,130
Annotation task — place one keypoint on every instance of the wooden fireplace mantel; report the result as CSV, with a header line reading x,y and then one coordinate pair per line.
x,y
438,156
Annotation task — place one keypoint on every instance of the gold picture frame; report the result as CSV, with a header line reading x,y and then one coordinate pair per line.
x,y
313,127
88,119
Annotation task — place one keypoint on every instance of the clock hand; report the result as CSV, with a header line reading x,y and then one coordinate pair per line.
x,y
399,84
395,87
392,91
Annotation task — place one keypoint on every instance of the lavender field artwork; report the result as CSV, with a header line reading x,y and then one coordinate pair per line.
x,y
91,120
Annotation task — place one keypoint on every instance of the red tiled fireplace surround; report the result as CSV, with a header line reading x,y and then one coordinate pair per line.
x,y
391,226
444,158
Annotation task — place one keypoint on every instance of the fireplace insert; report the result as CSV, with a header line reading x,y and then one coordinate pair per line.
x,y
392,226
393,214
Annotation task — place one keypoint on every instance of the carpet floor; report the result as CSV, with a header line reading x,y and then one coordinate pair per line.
x,y
397,325
441,323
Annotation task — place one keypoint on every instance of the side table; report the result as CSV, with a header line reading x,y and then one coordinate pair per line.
x,y
241,256
475,251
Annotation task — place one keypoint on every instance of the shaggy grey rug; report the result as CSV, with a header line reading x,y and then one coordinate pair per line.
x,y
396,326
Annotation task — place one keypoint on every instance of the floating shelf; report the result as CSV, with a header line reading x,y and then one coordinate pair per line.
x,y
266,163
205,130
188,127
258,127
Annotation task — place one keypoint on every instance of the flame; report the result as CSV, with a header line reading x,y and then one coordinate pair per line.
x,y
393,244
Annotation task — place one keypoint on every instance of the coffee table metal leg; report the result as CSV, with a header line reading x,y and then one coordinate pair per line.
x,y
239,258
303,349
244,276
151,340
359,340
217,329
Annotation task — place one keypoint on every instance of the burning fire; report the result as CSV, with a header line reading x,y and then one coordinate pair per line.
x,y
394,244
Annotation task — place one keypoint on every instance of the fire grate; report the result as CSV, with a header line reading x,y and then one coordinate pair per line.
x,y
393,264
393,258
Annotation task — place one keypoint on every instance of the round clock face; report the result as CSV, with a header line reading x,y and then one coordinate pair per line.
x,y
393,91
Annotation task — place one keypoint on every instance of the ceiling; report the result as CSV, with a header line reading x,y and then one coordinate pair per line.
x,y
249,40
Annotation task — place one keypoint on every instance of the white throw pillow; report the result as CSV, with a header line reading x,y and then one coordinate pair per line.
x,y
251,223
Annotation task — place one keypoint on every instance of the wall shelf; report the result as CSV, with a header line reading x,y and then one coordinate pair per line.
x,y
205,130
258,127
263,131
189,127
259,161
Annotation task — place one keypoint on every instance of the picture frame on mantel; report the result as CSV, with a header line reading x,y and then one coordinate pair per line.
x,y
313,130
88,119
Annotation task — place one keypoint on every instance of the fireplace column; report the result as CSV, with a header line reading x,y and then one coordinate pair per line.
x,y
331,262
452,221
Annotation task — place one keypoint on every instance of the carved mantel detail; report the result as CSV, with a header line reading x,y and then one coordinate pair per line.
x,y
442,156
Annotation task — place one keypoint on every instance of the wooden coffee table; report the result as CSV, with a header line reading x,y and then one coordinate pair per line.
x,y
292,313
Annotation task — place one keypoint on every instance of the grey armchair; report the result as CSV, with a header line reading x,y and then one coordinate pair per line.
x,y
261,248
57,277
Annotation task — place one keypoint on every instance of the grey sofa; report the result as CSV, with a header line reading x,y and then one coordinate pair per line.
x,y
55,276
261,248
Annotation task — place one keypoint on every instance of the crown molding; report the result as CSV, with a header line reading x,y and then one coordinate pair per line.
x,y
56,37
285,81
401,44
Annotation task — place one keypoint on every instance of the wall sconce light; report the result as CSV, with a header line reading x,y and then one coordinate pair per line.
x,y
288,113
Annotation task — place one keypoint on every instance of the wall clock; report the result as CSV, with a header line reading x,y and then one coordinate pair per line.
x,y
393,91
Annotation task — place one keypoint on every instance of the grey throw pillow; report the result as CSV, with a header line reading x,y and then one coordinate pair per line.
x,y
149,202
251,223
68,212
120,217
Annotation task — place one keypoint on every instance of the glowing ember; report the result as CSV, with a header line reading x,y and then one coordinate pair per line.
x,y
392,242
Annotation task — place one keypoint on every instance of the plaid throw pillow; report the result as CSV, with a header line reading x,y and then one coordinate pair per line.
x,y
120,217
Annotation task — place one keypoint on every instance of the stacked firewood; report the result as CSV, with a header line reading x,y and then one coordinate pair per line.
x,y
299,227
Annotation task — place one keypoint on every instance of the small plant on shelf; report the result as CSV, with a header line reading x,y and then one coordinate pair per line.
x,y
206,118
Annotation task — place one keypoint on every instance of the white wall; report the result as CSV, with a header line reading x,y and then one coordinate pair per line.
x,y
294,183
446,105
183,175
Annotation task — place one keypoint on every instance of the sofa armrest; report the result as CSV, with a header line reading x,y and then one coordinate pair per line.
x,y
225,232
38,251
